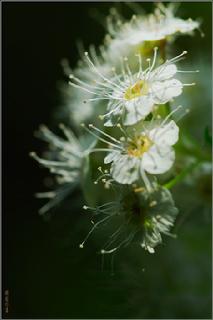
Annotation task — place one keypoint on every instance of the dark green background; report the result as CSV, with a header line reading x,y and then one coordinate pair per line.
x,y
47,275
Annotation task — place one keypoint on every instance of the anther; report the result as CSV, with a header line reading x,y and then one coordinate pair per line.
x,y
153,203
61,126
32,154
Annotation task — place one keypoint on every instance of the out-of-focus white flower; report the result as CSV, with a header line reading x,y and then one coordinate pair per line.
x,y
77,104
136,215
131,97
160,25
65,160
147,150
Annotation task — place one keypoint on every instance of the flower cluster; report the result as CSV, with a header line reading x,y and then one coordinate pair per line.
x,y
119,105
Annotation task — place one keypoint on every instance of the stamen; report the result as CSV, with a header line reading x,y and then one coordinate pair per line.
x,y
189,84
128,69
154,58
170,114
186,71
104,133
101,139
97,71
140,65
94,227
177,57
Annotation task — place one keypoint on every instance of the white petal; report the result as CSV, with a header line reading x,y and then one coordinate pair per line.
x,y
183,26
126,169
165,91
157,160
165,135
112,156
137,109
163,72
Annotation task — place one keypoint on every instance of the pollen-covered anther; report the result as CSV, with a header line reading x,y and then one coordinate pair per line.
x,y
32,154
153,203
85,207
81,245
139,145
141,189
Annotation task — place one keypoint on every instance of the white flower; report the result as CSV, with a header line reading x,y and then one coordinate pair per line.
x,y
76,104
65,160
140,29
131,97
136,215
145,150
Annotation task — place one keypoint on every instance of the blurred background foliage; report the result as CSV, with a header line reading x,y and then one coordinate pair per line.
x,y
46,273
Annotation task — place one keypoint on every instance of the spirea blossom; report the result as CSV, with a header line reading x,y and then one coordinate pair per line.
x,y
80,106
156,27
147,150
65,160
136,216
131,97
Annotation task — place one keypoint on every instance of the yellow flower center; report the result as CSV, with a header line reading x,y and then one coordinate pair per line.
x,y
138,146
140,88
